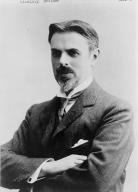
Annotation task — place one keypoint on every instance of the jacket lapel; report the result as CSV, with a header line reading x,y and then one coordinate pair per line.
x,y
87,98
73,113
48,120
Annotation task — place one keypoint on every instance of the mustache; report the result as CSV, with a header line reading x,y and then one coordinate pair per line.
x,y
63,70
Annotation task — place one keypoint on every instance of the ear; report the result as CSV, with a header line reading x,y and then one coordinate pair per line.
x,y
94,55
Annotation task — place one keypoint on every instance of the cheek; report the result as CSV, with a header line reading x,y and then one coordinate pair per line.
x,y
55,64
79,64
54,68
53,61
82,67
78,70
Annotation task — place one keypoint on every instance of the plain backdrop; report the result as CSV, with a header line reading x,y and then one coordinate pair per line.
x,y
26,74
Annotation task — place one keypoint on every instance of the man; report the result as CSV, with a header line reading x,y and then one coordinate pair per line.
x,y
81,140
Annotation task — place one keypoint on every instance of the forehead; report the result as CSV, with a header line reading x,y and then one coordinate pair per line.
x,y
67,40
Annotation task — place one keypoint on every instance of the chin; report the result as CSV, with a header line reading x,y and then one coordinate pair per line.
x,y
68,85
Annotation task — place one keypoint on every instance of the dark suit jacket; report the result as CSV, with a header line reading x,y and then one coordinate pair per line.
x,y
102,119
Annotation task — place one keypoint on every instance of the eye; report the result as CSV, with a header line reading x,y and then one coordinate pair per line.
x,y
73,52
56,53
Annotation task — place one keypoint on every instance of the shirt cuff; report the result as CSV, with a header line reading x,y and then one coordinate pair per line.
x,y
34,177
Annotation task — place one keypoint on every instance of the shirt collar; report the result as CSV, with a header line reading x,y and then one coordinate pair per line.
x,y
77,89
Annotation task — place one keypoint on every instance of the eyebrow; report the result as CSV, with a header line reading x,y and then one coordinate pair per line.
x,y
71,49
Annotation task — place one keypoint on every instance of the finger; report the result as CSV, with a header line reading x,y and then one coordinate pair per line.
x,y
83,157
78,161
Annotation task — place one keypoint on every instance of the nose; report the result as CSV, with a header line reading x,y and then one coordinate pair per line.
x,y
64,60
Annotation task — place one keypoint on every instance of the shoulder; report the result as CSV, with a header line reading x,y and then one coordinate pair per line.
x,y
40,112
105,98
113,101
107,103
36,109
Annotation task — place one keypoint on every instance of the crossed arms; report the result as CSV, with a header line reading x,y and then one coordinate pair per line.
x,y
110,152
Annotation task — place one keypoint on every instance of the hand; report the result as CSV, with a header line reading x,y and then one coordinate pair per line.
x,y
69,162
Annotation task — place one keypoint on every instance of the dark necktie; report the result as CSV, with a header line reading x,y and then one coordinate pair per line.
x,y
65,102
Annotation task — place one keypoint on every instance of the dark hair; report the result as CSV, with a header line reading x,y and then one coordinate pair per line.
x,y
77,26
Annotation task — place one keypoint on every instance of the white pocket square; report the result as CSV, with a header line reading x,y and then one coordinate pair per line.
x,y
80,142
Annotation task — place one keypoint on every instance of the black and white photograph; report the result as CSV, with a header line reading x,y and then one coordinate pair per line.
x,y
68,96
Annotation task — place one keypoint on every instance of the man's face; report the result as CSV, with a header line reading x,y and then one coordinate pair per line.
x,y
71,59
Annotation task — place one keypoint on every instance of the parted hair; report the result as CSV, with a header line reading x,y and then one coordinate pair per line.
x,y
77,26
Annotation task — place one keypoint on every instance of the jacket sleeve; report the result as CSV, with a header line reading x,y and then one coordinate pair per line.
x,y
110,152
16,163
112,147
